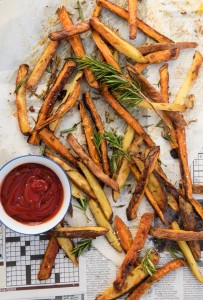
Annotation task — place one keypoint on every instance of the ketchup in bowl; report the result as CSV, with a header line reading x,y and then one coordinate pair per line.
x,y
31,193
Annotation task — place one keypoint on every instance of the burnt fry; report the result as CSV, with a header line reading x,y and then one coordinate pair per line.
x,y
48,259
138,193
51,98
197,189
70,31
117,42
99,125
158,275
176,235
140,24
53,142
76,44
90,164
132,254
89,133
123,233
78,232
146,49
132,19
41,65
21,100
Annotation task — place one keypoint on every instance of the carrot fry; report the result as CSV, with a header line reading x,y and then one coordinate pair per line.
x,y
132,20
123,233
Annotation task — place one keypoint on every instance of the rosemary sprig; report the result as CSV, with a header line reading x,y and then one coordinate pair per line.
x,y
21,83
74,127
97,138
83,203
167,136
83,245
147,264
174,251
79,7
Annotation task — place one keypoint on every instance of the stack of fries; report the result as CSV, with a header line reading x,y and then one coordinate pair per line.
x,y
136,152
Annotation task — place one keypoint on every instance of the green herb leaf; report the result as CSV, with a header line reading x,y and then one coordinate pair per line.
x,y
83,245
147,264
79,7
21,83
160,124
83,203
97,138
167,136
70,129
174,251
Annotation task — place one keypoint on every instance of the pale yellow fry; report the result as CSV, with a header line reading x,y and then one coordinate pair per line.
x,y
164,106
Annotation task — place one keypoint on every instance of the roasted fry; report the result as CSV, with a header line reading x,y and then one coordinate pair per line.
x,y
51,141
132,19
98,191
70,31
101,220
197,189
176,235
48,259
140,24
117,42
74,175
76,193
78,232
41,65
96,11
138,193
51,98
21,100
123,233
90,164
89,133
189,79
168,107
99,125
132,280
146,49
132,254
159,274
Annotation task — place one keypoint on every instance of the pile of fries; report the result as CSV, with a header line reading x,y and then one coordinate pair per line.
x,y
89,170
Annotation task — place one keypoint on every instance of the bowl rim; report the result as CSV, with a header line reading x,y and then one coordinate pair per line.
x,y
51,223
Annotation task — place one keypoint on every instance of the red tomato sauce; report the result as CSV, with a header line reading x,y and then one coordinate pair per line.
x,y
31,193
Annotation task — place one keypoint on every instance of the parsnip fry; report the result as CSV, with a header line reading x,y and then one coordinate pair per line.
x,y
140,24
132,280
117,42
101,220
132,20
78,179
197,189
146,49
21,100
123,233
188,255
90,164
78,232
98,191
48,259
41,65
70,31
99,125
138,193
158,275
176,235
51,141
189,79
132,254
89,133
51,98
163,106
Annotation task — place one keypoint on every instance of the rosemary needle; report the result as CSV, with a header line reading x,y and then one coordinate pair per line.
x,y
83,245
147,264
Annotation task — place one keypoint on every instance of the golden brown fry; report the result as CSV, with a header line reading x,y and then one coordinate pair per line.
x,y
132,254
138,193
51,98
90,164
98,191
101,220
79,232
41,65
172,202
70,31
21,100
106,52
176,235
140,24
51,141
99,125
123,233
132,280
149,195
126,116
89,133
76,44
159,274
48,259
189,79
132,19
146,49
96,11
78,179
76,192
189,223
197,189
117,42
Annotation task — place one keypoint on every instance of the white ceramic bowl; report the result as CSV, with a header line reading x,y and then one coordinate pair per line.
x,y
52,222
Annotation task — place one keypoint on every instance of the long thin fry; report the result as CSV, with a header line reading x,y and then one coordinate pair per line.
x,y
163,106
79,232
176,235
145,49
132,20
41,65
